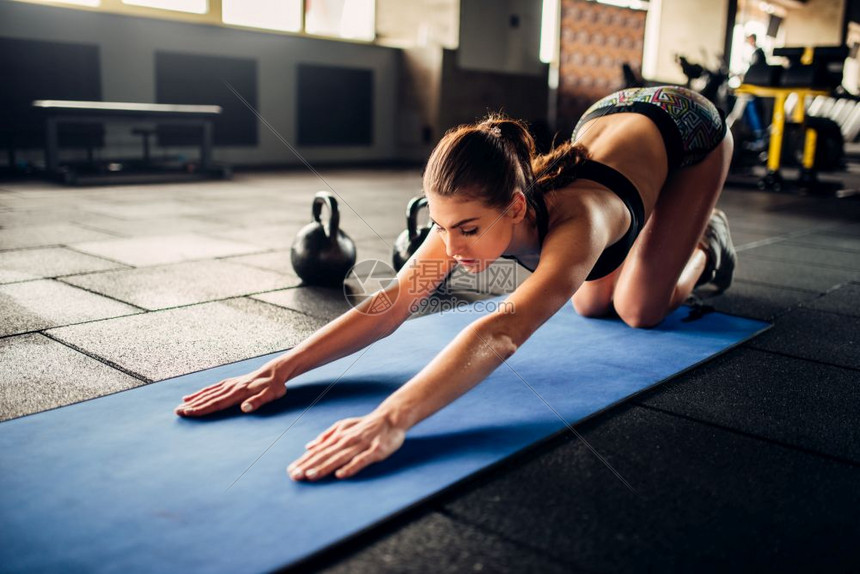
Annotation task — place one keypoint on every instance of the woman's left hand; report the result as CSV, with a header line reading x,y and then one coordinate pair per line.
x,y
348,446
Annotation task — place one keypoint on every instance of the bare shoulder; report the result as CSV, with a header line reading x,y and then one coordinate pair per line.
x,y
584,218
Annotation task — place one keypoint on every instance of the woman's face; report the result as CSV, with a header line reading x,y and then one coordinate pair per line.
x,y
474,234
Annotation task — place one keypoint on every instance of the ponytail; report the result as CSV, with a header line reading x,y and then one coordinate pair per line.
x,y
495,157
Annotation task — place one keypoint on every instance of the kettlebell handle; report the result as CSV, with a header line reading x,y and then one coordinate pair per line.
x,y
415,205
325,198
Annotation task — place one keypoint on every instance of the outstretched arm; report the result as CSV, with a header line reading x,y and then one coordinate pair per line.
x,y
351,444
351,332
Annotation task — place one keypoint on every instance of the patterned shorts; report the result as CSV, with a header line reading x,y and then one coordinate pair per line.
x,y
691,125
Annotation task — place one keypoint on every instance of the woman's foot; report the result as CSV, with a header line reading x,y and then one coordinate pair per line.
x,y
717,245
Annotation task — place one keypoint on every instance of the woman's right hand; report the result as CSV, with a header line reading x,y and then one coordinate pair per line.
x,y
251,390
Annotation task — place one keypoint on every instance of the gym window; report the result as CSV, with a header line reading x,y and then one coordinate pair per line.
x,y
353,19
345,19
632,4
192,6
283,15
87,3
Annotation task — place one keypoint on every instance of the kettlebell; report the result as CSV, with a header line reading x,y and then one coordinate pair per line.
x,y
322,254
412,237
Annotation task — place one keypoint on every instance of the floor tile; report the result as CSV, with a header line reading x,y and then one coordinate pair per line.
x,y
278,260
320,302
788,400
149,226
48,235
42,304
705,500
793,252
28,264
280,236
166,286
815,335
757,301
845,300
166,344
40,374
831,241
449,545
791,275
163,249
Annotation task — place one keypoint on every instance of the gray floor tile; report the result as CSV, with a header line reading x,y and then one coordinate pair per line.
x,y
742,238
149,226
442,544
163,249
757,301
831,241
166,286
279,236
28,264
18,218
42,304
845,230
268,215
278,261
791,275
771,223
844,300
706,500
815,335
48,235
165,344
792,401
793,252
738,201
146,209
320,302
40,374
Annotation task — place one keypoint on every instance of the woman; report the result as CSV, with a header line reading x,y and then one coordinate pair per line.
x,y
622,218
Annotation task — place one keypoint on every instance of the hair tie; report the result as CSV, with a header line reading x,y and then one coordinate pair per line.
x,y
496,131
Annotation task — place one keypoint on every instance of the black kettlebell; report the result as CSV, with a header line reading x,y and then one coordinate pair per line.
x,y
412,237
323,254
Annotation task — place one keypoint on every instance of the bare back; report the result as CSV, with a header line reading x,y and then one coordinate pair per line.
x,y
631,144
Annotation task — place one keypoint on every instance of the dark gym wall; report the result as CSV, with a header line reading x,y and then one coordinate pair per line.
x,y
69,72
335,106
127,48
183,78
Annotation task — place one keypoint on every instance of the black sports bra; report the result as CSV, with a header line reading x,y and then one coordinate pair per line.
x,y
614,255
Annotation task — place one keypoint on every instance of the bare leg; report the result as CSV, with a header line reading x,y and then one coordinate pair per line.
x,y
666,260
594,298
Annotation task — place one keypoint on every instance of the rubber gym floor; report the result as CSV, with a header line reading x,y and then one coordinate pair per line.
x,y
749,461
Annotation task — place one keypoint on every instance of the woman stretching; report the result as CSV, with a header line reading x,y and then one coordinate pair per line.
x,y
620,219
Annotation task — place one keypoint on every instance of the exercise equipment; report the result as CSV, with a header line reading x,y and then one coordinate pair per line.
x,y
773,179
322,254
411,238
58,113
120,484
814,142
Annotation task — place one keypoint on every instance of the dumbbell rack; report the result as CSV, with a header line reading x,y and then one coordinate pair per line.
x,y
773,179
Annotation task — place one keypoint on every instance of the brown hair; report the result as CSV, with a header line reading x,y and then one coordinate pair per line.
x,y
493,158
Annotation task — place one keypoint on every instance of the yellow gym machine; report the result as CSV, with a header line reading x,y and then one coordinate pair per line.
x,y
773,178
809,73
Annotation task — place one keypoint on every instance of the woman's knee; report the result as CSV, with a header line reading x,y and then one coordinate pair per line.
x,y
591,306
640,314
594,298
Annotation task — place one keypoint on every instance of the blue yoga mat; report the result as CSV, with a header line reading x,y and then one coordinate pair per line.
x,y
120,484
